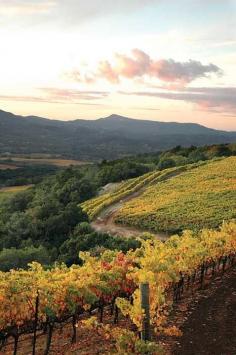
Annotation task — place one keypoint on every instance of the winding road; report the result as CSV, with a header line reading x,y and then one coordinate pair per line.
x,y
104,223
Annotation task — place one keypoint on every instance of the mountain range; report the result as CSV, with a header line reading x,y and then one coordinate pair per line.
x,y
105,138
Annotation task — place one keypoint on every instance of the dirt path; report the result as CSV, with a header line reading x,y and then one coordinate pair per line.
x,y
104,223
210,329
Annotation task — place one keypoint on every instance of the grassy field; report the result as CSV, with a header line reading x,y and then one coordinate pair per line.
x,y
201,197
15,162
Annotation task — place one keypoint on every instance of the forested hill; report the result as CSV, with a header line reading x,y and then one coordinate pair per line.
x,y
105,138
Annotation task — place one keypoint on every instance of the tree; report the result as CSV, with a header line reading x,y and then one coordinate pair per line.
x,y
165,163
19,258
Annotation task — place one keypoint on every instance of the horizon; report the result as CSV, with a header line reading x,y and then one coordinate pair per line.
x,y
110,116
76,60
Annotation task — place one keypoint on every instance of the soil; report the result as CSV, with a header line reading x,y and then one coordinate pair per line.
x,y
210,325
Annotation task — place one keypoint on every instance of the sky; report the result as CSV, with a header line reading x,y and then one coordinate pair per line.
x,y
164,60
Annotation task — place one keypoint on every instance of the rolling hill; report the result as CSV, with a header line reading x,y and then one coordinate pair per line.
x,y
106,138
201,197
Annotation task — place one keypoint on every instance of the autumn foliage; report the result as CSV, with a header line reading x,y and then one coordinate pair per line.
x,y
66,292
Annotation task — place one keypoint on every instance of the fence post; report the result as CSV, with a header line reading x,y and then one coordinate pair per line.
x,y
145,306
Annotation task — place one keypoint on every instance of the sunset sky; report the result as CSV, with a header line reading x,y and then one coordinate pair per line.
x,y
166,60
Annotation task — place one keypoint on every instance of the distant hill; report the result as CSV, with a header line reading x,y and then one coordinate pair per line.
x,y
106,138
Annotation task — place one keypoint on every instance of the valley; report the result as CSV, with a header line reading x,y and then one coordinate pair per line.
x,y
93,232
117,177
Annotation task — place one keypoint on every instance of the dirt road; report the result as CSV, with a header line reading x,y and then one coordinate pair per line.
x,y
104,223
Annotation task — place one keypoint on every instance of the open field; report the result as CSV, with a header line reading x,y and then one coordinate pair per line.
x,y
20,161
197,198
8,166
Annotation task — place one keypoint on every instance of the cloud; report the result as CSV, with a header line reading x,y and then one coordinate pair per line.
x,y
106,71
73,95
72,12
77,76
60,96
215,99
140,64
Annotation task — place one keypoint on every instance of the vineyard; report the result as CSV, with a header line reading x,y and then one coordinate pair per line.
x,y
195,199
36,300
94,206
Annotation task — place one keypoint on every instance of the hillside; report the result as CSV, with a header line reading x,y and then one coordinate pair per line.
x,y
105,138
194,196
67,310
197,198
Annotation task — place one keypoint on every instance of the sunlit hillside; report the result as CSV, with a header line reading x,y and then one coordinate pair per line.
x,y
197,198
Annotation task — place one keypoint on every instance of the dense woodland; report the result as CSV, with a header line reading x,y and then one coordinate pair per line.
x,y
25,175
45,223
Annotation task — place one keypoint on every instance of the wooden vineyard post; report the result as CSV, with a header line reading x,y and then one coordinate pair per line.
x,y
144,291
35,323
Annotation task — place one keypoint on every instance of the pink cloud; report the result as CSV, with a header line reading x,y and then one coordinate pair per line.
x,y
106,71
131,67
167,70
139,64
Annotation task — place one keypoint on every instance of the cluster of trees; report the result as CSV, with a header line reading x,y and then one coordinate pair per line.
x,y
84,238
46,223
19,258
182,156
25,175
45,215
179,156
115,171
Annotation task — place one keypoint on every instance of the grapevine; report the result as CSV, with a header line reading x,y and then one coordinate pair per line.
x,y
37,298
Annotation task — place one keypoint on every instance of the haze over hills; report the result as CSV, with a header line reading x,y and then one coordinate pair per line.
x,y
105,138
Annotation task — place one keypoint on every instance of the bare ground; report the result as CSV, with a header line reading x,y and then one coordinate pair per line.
x,y
209,323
